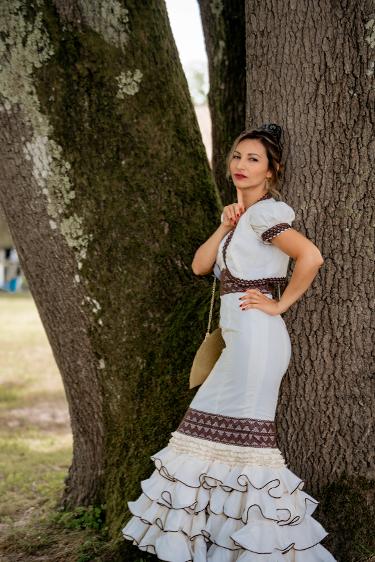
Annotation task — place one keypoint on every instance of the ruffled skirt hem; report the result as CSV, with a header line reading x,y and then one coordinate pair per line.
x,y
195,508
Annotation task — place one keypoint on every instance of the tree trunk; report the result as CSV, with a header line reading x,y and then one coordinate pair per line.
x,y
311,70
107,192
224,32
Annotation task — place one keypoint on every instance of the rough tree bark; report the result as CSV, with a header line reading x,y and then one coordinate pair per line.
x,y
310,68
224,31
107,192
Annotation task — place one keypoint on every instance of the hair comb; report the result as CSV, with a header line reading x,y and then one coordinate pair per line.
x,y
272,128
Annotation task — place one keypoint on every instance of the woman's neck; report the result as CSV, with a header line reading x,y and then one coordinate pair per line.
x,y
251,201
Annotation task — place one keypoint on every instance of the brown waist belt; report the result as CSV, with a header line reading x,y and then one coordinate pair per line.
x,y
231,284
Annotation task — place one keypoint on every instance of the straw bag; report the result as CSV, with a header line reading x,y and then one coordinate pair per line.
x,y
208,352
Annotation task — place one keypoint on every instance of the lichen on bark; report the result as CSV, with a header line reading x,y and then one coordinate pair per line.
x,y
109,19
25,47
128,83
370,37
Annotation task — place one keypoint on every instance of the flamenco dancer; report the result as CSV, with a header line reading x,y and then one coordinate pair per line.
x,y
221,490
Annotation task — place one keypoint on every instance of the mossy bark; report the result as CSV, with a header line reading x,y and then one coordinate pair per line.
x,y
311,69
224,31
107,192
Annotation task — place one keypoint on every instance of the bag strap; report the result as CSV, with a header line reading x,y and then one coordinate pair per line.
x,y
211,308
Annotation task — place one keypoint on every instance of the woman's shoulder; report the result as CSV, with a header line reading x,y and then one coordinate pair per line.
x,y
271,210
270,205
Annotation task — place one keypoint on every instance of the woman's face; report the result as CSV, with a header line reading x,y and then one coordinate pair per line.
x,y
249,164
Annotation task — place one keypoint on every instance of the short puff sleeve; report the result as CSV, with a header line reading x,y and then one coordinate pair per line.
x,y
270,220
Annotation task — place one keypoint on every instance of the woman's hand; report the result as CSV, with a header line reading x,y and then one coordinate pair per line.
x,y
232,213
256,299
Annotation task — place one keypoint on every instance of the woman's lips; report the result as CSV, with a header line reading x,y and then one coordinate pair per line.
x,y
239,176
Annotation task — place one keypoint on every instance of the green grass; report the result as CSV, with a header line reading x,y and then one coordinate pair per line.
x,y
33,467
36,449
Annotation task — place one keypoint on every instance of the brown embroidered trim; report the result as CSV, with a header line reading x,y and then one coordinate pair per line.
x,y
265,196
231,284
246,432
275,231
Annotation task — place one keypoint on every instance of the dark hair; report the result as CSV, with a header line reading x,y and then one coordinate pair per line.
x,y
273,146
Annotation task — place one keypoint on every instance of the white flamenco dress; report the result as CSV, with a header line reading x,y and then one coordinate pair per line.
x,y
221,490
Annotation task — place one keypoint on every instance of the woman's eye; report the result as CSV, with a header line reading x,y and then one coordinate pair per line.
x,y
236,156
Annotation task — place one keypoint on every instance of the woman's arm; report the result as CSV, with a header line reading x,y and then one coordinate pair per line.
x,y
308,262
205,256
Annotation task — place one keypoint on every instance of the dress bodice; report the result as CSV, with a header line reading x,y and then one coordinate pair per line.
x,y
250,253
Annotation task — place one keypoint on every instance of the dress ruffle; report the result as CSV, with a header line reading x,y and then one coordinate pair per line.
x,y
201,510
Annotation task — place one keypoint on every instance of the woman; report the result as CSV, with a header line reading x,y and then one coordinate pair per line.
x,y
221,490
